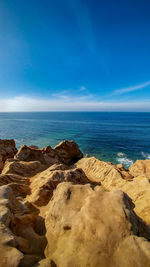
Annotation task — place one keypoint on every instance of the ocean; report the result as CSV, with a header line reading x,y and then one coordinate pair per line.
x,y
110,136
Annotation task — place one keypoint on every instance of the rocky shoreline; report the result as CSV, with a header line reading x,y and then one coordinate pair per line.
x,y
59,209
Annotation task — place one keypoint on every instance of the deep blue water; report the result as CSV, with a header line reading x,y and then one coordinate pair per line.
x,y
110,136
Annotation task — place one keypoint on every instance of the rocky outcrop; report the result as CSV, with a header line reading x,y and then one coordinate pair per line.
x,y
68,152
58,210
140,167
22,240
112,177
46,156
7,150
107,173
26,169
44,183
87,227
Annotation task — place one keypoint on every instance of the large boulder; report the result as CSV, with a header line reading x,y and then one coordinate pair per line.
x,y
106,173
44,183
7,150
46,156
140,167
87,227
22,239
68,152
112,177
23,168
19,184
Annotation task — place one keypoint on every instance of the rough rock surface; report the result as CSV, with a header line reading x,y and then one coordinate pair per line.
x,y
87,227
44,183
138,188
68,152
26,169
22,240
7,150
104,172
140,167
56,211
46,156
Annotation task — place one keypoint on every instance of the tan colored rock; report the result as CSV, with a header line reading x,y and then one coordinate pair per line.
x,y
93,228
44,183
7,150
22,239
46,155
106,173
23,168
68,152
19,184
138,189
140,167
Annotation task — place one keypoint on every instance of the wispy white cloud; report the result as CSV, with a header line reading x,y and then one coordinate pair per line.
x,y
131,88
82,88
26,103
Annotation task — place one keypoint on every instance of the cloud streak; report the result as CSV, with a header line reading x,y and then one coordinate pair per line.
x,y
25,103
131,88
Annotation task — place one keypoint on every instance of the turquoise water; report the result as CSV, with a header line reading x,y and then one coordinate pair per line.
x,y
110,136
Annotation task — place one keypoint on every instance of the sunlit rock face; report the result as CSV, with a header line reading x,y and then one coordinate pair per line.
x,y
58,209
68,152
140,167
7,150
92,227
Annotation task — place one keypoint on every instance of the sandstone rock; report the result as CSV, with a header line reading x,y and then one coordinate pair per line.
x,y
139,191
104,172
138,188
22,241
23,168
44,183
7,150
88,227
19,184
46,155
140,167
68,152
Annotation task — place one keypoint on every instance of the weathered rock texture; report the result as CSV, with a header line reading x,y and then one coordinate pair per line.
x,y
111,177
68,152
87,227
7,150
58,210
22,239
140,167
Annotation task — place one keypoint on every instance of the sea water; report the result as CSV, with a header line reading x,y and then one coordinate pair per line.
x,y
110,136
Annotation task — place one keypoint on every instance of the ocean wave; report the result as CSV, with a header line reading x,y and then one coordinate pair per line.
x,y
122,158
145,155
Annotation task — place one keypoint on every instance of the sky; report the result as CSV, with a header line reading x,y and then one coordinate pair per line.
x,y
74,55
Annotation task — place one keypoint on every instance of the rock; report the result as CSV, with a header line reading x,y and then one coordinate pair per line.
x,y
106,173
7,150
46,156
140,167
22,238
139,191
44,183
19,184
68,152
138,188
23,168
87,227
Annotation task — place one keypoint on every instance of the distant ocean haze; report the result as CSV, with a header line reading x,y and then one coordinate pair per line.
x,y
110,136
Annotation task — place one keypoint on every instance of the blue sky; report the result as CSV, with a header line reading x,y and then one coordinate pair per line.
x,y
74,55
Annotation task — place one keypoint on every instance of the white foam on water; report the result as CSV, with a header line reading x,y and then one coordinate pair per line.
x,y
121,155
145,155
122,158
